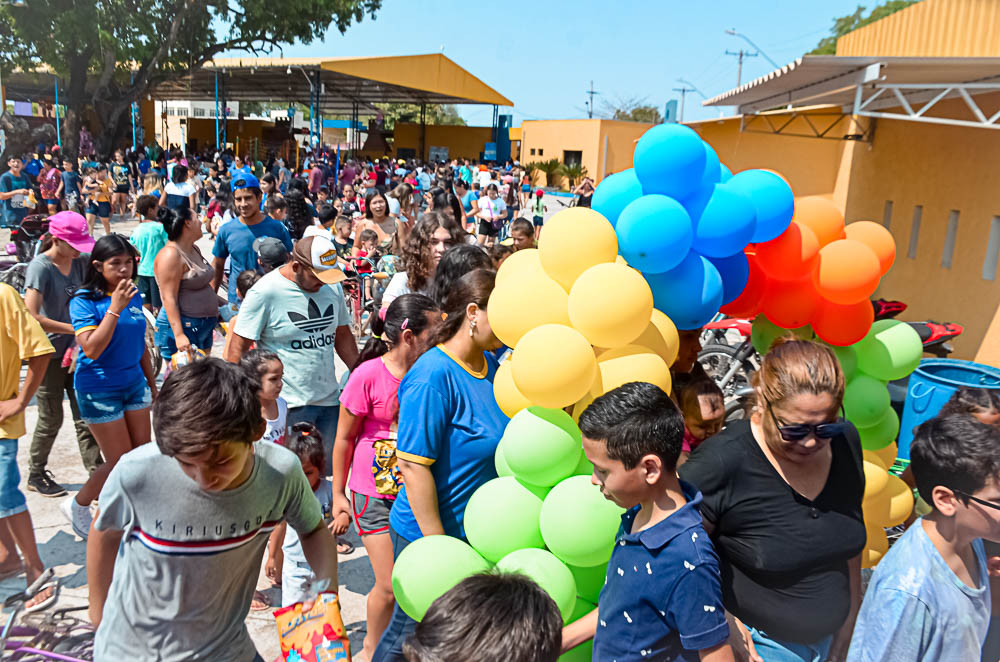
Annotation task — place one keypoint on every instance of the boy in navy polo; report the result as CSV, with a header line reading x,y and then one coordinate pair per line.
x,y
662,598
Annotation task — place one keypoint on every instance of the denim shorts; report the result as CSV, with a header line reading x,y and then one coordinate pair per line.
x,y
102,209
107,406
199,330
12,500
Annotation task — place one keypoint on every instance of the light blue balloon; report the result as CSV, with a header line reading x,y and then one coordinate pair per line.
x,y
690,294
670,159
726,224
726,174
614,193
735,272
654,233
713,167
772,198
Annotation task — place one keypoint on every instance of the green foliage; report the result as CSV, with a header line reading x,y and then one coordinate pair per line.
x,y
573,172
633,110
551,169
530,169
845,24
410,112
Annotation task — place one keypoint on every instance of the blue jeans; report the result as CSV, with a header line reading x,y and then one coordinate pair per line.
x,y
199,330
775,650
12,500
107,406
325,420
401,626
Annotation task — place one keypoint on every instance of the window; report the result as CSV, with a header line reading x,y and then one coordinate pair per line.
x,y
532,151
887,215
540,151
918,212
572,157
992,251
949,240
199,112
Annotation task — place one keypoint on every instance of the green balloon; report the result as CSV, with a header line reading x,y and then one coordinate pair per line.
x,y
884,432
891,350
848,358
541,446
585,651
866,400
589,581
502,516
578,524
548,572
503,469
583,467
428,568
764,332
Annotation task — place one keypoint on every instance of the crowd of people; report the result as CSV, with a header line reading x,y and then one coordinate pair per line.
x,y
740,540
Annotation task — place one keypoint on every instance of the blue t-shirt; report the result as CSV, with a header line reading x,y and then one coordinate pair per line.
x,y
449,420
118,366
467,200
916,607
71,183
662,595
235,241
14,209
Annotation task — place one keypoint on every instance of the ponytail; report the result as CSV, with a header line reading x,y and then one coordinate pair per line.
x,y
408,311
47,242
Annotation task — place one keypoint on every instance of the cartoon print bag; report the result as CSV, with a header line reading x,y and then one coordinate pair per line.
x,y
314,636
388,480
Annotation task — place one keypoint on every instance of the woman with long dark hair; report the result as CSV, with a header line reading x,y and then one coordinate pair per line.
x,y
440,199
299,215
179,193
377,216
114,378
434,233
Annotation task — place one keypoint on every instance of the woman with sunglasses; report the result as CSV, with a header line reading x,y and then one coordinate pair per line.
x,y
782,502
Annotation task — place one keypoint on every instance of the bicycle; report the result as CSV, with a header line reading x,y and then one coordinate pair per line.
x,y
361,302
38,637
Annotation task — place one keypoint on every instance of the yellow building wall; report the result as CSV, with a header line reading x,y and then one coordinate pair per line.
x,y
550,138
463,142
617,143
959,28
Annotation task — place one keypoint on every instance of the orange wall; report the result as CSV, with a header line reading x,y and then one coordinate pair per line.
x,y
616,144
463,142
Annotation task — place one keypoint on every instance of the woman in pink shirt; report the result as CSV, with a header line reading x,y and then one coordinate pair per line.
x,y
366,441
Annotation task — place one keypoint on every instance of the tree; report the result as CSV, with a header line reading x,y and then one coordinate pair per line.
x,y
410,112
113,52
551,169
845,24
573,172
633,110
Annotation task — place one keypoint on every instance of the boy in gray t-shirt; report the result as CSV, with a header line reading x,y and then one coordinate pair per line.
x,y
192,517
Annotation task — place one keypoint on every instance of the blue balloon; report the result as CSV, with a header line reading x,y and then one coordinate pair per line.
x,y
654,233
670,159
726,224
772,199
726,174
614,193
689,294
735,272
713,167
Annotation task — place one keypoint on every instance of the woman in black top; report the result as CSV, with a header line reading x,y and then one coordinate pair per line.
x,y
782,502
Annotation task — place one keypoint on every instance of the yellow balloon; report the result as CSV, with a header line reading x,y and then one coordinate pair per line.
x,y
661,337
900,500
876,475
875,508
581,405
524,262
876,547
610,305
887,454
574,240
508,397
524,301
554,366
621,260
630,363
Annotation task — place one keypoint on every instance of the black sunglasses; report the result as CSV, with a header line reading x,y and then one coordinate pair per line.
x,y
800,431
981,502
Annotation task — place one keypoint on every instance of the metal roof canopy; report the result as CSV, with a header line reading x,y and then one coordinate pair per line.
x,y
869,86
346,84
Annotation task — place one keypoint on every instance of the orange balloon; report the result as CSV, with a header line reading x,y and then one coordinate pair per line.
x,y
790,303
792,255
843,325
877,238
748,303
821,216
848,272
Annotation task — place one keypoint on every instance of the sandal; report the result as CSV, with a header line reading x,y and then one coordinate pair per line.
x,y
345,548
45,581
261,601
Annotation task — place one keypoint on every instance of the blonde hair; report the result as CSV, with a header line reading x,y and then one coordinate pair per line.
x,y
794,367
151,182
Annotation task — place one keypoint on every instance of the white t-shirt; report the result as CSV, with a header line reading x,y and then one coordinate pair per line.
x,y
484,178
397,287
275,432
491,208
184,188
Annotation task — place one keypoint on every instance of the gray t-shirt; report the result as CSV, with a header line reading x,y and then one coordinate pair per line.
x,y
300,327
56,289
189,559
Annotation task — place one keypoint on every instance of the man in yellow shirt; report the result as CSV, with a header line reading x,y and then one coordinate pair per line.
x,y
21,339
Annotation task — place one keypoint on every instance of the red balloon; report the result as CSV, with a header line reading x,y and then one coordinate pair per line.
x,y
790,303
790,256
843,325
747,304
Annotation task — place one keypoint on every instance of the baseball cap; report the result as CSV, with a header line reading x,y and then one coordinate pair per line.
x,y
320,255
243,180
401,162
270,251
71,228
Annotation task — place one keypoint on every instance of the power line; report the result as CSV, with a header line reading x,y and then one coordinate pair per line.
x,y
739,60
590,101
683,90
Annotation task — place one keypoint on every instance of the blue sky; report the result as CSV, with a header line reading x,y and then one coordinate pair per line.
x,y
543,55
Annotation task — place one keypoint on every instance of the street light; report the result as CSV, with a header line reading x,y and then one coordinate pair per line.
x,y
734,33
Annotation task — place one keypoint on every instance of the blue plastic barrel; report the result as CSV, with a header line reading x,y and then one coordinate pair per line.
x,y
932,385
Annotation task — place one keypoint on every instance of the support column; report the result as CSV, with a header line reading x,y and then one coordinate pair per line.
x,y
423,132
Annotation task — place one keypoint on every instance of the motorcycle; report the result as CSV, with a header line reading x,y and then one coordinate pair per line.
x,y
25,241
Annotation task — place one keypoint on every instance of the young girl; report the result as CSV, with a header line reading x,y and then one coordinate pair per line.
x,y
368,416
538,213
268,368
149,238
150,186
704,410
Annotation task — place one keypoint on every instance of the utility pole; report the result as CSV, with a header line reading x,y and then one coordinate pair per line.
x,y
739,66
590,102
683,91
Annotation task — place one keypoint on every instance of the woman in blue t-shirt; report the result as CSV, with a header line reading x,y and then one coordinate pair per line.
x,y
114,379
449,429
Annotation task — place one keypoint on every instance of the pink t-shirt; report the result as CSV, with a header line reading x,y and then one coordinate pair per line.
x,y
371,393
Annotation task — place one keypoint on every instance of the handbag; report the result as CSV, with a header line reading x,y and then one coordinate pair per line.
x,y
385,468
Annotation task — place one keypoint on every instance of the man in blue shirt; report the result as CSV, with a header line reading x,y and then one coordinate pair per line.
x,y
14,190
235,239
662,596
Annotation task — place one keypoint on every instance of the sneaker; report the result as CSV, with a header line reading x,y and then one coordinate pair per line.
x,y
44,484
79,516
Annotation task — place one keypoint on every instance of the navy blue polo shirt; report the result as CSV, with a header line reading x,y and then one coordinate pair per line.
x,y
662,597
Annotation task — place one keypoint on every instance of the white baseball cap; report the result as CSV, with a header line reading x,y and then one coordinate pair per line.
x,y
320,255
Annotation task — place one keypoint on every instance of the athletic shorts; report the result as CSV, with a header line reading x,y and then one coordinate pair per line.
x,y
371,515
525,188
108,406
486,229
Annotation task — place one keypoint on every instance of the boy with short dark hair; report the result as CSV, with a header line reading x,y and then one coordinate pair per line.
x,y
662,597
192,515
492,617
929,598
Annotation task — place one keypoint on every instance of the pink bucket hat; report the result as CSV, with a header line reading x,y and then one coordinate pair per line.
x,y
71,228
